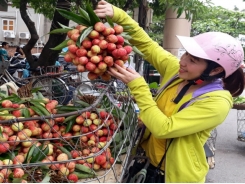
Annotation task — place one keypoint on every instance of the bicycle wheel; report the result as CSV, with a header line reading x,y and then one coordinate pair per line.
x,y
52,88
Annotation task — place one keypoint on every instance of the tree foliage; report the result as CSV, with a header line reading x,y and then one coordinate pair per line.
x,y
220,19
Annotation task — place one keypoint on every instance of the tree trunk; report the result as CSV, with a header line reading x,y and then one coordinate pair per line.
x,y
142,23
127,5
32,29
48,56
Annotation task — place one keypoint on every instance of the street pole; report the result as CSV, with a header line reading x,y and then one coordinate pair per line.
x,y
175,26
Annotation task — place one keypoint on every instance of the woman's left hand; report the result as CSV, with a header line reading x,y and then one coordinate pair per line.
x,y
124,74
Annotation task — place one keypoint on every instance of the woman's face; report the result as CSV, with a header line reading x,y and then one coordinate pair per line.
x,y
191,67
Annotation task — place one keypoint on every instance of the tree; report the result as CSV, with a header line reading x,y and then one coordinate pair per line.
x,y
48,8
220,19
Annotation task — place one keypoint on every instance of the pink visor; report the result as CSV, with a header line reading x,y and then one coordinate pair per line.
x,y
192,47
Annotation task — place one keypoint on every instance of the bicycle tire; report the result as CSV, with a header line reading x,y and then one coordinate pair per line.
x,y
52,88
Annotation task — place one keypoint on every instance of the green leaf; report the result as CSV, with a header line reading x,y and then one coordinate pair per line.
x,y
126,36
153,85
109,20
29,154
9,155
180,11
46,179
126,42
34,90
83,35
70,123
127,28
84,14
74,17
137,51
3,94
63,53
93,17
63,26
26,112
17,180
39,154
59,30
61,45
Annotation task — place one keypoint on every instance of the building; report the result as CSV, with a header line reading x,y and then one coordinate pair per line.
x,y
14,30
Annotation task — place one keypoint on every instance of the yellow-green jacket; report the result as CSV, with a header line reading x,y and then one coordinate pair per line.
x,y
190,128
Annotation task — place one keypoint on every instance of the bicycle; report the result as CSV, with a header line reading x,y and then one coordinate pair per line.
x,y
48,83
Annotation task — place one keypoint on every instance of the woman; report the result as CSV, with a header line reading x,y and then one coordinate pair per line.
x,y
195,95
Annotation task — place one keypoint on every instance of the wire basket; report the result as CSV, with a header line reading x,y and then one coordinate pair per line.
x,y
92,144
212,140
240,121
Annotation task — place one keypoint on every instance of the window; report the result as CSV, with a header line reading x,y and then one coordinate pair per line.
x,y
8,25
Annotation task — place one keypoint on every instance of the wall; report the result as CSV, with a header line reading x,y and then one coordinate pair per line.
x,y
20,26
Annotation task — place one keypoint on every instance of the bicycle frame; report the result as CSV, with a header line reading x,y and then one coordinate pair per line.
x,y
9,77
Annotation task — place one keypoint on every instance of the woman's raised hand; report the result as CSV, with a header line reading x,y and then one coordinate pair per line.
x,y
104,8
124,74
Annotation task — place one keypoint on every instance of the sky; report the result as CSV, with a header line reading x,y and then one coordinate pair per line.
x,y
229,4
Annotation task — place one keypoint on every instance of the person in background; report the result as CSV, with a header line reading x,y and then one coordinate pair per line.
x,y
4,56
20,55
19,51
195,96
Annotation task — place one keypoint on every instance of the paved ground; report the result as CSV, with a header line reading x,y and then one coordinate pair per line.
x,y
229,154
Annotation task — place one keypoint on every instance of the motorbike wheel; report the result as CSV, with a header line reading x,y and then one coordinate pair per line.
x,y
52,88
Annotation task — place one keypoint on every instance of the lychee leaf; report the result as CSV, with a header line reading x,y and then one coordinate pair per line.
x,y
109,20
135,49
83,35
29,154
84,14
66,27
46,179
131,32
126,42
16,180
72,117
126,36
26,113
63,53
74,17
93,17
69,125
59,30
127,27
39,154
60,46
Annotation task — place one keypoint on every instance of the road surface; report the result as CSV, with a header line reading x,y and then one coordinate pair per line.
x,y
229,154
